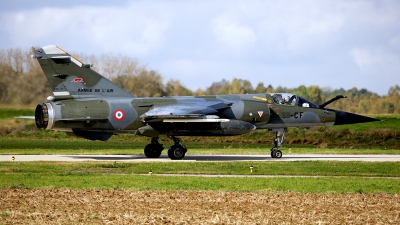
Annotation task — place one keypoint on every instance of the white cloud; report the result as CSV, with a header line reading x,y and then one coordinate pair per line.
x,y
363,58
137,28
234,35
280,28
232,29
373,61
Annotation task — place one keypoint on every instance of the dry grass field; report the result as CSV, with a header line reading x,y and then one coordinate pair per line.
x,y
66,206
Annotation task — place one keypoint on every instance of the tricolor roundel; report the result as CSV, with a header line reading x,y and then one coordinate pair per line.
x,y
119,114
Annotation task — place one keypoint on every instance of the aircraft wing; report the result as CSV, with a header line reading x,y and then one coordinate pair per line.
x,y
198,118
187,110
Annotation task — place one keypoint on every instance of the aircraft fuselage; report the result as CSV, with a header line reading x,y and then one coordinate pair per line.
x,y
123,115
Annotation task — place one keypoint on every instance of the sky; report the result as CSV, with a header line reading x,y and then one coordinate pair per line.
x,y
333,44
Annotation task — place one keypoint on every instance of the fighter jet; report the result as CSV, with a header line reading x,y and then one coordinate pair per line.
x,y
90,106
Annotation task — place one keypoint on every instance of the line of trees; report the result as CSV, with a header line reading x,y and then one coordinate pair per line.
x,y
22,83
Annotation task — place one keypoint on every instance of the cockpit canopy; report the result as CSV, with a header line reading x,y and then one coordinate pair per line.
x,y
291,100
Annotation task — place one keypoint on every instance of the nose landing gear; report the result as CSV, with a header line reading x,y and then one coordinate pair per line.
x,y
275,151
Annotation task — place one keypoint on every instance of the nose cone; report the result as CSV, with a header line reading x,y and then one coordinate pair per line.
x,y
350,118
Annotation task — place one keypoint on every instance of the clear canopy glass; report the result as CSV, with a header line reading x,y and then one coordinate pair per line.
x,y
291,100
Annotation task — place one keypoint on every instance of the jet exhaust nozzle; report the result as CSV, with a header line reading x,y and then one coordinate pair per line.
x,y
44,116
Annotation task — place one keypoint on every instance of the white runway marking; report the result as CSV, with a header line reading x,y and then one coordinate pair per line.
x,y
200,158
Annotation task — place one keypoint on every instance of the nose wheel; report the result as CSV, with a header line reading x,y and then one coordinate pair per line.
x,y
275,151
276,154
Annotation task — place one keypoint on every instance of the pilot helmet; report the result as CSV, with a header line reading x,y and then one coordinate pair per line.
x,y
287,99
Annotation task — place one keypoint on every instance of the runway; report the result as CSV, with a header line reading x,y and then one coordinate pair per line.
x,y
199,158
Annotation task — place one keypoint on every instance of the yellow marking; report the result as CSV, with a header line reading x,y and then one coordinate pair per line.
x,y
62,50
71,55
259,98
76,59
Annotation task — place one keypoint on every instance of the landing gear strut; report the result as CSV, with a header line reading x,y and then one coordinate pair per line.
x,y
154,149
275,151
178,150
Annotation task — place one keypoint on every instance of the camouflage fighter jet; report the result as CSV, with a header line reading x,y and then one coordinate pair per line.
x,y
90,106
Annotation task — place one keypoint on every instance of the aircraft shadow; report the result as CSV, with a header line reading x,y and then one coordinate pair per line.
x,y
226,158
220,158
163,158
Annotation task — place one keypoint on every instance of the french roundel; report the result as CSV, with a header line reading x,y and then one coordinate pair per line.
x,y
119,114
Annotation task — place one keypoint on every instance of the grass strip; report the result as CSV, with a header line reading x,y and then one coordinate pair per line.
x,y
245,184
301,168
337,177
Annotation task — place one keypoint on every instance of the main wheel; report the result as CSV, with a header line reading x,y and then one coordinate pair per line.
x,y
276,154
153,150
176,152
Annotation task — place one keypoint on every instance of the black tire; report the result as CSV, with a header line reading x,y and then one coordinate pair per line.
x,y
277,154
176,152
152,151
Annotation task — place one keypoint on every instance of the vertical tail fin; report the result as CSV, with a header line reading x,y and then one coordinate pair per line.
x,y
70,78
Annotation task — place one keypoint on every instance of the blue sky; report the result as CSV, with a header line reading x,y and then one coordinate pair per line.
x,y
336,44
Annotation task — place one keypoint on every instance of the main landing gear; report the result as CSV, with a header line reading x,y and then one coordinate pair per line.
x,y
154,149
176,151
275,151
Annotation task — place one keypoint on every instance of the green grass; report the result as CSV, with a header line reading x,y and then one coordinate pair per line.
x,y
140,182
306,168
337,177
12,111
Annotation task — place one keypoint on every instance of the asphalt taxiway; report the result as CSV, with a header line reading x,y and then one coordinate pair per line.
x,y
199,158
